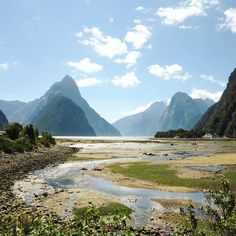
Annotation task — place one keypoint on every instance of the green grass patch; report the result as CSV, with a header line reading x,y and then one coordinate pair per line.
x,y
164,174
108,209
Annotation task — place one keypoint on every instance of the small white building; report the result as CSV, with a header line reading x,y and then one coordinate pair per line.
x,y
208,136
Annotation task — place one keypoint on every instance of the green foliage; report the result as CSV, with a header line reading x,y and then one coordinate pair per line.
x,y
47,140
21,139
181,133
92,222
110,208
9,146
220,119
14,130
217,218
31,133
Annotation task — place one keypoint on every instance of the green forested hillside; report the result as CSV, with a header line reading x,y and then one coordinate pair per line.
x,y
61,116
221,118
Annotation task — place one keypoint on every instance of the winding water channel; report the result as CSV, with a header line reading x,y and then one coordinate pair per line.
x,y
70,176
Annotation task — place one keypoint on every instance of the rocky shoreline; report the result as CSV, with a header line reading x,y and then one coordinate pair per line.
x,y
17,166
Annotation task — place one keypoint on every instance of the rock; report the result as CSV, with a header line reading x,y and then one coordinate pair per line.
x,y
45,194
84,168
148,154
97,169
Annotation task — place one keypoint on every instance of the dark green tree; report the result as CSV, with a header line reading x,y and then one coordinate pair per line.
x,y
29,132
14,130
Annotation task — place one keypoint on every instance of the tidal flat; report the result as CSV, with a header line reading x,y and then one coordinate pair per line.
x,y
146,175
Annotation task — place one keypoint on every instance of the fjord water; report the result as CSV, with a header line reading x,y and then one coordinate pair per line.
x,y
70,176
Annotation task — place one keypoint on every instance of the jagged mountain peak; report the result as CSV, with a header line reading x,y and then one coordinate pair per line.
x,y
68,81
183,112
67,87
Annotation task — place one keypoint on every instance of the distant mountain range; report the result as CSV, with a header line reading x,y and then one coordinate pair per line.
x,y
3,120
220,119
142,124
63,111
182,112
27,112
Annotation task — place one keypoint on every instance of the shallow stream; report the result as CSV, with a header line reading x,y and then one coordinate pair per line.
x,y
73,176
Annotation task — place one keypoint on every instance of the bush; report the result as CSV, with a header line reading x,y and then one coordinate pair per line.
x,y
14,130
10,146
47,140
21,139
217,218
91,223
31,133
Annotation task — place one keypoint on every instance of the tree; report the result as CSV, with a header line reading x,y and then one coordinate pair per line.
x,y
30,133
14,130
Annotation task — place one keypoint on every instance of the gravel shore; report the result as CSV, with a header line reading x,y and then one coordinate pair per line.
x,y
16,166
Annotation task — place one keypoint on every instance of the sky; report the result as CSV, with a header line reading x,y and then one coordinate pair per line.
x,y
123,55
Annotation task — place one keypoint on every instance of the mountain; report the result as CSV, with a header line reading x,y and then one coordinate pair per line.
x,y
13,109
142,124
61,116
25,113
220,119
68,88
3,120
183,112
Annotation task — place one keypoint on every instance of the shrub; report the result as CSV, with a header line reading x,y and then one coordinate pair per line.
x,y
217,218
90,223
47,140
10,146
31,133
14,130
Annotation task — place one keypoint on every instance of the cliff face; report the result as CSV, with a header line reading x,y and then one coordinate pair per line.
x,y
3,120
220,119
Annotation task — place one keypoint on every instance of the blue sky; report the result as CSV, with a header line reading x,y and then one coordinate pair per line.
x,y
123,54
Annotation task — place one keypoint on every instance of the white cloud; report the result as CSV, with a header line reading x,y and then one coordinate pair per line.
x,y
104,45
230,20
126,81
174,71
88,82
139,36
136,110
186,27
130,59
140,8
4,66
137,21
185,10
212,79
85,65
111,19
79,34
204,94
